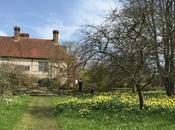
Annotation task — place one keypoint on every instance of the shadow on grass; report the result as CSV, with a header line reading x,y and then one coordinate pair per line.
x,y
42,111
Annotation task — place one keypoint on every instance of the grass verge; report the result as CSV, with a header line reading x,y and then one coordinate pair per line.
x,y
11,111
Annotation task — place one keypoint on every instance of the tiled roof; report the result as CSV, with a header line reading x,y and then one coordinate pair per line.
x,y
28,48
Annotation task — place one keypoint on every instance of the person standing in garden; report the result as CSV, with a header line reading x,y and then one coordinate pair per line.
x,y
80,85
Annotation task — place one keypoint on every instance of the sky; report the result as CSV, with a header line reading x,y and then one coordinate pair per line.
x,y
40,17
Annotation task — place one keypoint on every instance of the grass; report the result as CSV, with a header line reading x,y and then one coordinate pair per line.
x,y
114,121
39,115
11,110
107,111
159,112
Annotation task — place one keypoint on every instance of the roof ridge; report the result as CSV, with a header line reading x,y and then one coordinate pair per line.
x,y
36,38
30,38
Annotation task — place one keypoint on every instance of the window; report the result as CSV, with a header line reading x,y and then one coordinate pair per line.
x,y
43,66
4,58
23,67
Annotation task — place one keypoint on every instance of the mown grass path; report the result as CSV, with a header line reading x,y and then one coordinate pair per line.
x,y
39,115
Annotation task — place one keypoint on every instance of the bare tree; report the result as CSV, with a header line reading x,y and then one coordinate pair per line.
x,y
64,64
124,42
10,78
159,26
140,39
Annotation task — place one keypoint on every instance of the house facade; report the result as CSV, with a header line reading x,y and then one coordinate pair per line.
x,y
32,55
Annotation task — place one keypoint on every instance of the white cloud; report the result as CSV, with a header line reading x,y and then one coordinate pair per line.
x,y
86,12
2,33
54,23
93,11
66,32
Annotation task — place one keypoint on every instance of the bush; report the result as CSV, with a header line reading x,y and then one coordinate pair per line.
x,y
11,78
44,82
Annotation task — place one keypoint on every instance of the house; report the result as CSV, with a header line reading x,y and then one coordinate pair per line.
x,y
30,54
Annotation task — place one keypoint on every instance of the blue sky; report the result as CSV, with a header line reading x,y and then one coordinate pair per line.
x,y
40,17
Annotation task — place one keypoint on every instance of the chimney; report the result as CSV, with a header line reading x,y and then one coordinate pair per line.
x,y
16,33
55,36
26,35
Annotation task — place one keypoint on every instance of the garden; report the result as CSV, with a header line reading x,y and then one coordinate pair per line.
x,y
118,75
103,111
113,111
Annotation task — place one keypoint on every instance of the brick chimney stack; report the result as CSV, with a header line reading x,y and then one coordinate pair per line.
x,y
55,36
16,33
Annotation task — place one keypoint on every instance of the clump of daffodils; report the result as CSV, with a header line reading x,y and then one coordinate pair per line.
x,y
84,112
113,102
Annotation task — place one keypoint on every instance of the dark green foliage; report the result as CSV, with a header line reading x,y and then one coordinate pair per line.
x,y
98,77
44,82
105,77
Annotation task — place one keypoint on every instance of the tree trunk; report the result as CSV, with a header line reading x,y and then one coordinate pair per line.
x,y
169,87
133,85
134,88
140,95
3,90
68,83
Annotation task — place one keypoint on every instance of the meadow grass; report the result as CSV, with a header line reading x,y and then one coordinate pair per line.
x,y
39,115
95,113
11,109
106,111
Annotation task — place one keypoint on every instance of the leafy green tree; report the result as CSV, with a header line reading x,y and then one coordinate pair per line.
x,y
98,76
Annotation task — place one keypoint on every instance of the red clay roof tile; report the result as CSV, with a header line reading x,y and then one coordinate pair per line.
x,y
28,48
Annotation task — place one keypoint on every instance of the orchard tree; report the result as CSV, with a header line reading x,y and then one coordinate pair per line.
x,y
159,26
122,41
140,38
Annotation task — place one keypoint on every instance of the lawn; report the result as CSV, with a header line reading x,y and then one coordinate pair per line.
x,y
115,111
11,110
39,115
105,111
